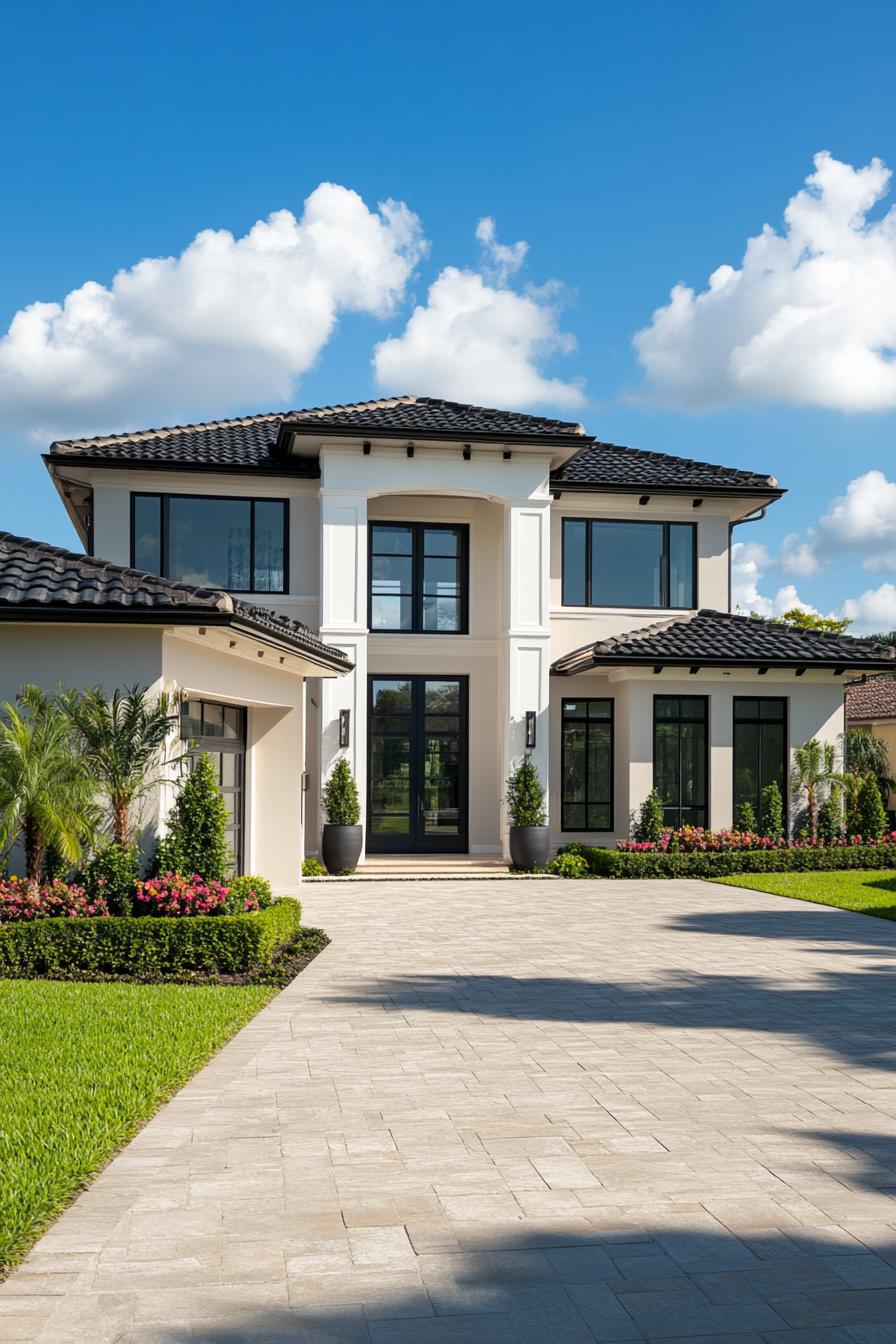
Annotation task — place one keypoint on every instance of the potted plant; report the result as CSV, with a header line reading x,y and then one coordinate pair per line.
x,y
529,839
342,835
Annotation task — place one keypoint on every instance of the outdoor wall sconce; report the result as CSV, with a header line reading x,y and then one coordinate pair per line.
x,y
530,729
345,716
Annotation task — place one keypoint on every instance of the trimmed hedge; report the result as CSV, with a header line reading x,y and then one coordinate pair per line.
x,y
123,945
725,862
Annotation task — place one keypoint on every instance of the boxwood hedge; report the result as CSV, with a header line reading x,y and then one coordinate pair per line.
x,y
724,862
122,945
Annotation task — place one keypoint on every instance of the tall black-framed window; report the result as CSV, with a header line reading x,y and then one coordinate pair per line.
x,y
418,578
760,748
681,757
215,541
610,562
586,766
220,731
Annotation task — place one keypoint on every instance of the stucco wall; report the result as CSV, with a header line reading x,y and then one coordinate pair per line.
x,y
275,746
815,709
112,523
572,627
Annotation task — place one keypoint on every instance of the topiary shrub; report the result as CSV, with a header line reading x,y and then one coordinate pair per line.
x,y
525,795
771,812
248,893
649,826
340,796
830,816
872,815
112,874
197,828
745,818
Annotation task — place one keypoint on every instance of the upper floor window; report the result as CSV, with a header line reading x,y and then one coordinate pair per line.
x,y
418,578
214,541
614,563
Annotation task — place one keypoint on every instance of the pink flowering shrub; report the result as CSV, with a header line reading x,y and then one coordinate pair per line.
x,y
172,894
696,839
21,900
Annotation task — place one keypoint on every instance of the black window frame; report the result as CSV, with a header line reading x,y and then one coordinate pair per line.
x,y
665,604
785,755
611,802
704,700
164,499
215,744
417,531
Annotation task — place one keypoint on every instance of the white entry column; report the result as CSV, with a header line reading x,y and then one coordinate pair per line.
x,y
344,625
527,636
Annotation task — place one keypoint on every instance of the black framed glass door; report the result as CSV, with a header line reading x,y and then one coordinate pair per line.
x,y
220,731
417,765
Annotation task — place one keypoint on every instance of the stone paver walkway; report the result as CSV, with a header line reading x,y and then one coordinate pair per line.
x,y
533,1113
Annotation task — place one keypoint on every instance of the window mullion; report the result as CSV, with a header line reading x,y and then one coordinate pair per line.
x,y
251,545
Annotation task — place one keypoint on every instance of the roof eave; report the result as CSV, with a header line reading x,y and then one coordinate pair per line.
x,y
58,614
322,429
559,487
302,468
696,660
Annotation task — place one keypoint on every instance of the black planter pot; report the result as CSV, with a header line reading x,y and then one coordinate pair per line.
x,y
529,847
340,848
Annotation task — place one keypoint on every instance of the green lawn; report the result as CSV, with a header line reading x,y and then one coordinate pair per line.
x,y
869,892
82,1066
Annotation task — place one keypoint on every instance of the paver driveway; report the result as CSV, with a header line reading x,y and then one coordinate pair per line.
x,y
537,1111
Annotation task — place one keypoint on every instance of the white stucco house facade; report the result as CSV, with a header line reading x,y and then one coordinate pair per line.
x,y
480,584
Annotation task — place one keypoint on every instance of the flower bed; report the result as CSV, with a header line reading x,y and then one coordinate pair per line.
x,y
697,840
21,900
146,945
793,856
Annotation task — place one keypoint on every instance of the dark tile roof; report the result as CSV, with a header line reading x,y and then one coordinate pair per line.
x,y
252,444
37,579
612,466
247,444
431,415
718,638
871,699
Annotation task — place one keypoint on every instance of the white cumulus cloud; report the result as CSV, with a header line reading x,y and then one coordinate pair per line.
x,y
863,521
874,610
230,321
750,564
477,339
809,318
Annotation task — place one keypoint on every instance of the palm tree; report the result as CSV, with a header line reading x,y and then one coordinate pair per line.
x,y
123,740
46,792
813,768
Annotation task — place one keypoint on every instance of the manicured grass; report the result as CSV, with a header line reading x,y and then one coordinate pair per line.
x,y
82,1066
868,891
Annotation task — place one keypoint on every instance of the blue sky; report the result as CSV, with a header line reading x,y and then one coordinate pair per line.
x,y
633,146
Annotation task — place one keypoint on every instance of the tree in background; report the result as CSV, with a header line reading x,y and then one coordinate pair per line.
x,y
806,620
46,788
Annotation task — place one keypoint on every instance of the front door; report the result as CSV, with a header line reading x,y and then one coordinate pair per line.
x,y
417,767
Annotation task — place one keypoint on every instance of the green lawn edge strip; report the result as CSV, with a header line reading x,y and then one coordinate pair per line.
x,y
864,892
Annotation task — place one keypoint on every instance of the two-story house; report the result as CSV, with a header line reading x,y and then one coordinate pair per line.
x,y
484,583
